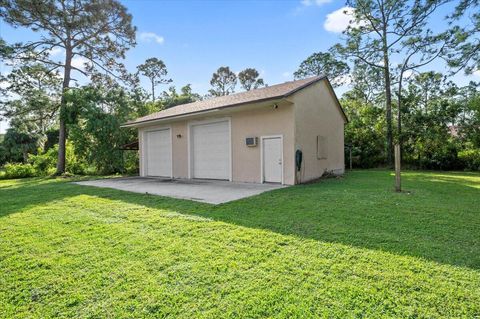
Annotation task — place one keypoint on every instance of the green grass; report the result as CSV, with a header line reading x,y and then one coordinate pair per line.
x,y
341,248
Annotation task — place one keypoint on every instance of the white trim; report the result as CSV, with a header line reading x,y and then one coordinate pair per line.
x,y
144,149
264,137
140,152
189,144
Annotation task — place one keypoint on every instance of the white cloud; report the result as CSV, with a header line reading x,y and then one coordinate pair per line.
x,y
407,74
286,74
79,62
309,3
150,36
55,51
338,20
476,73
4,84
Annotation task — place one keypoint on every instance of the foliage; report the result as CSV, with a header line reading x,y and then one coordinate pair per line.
x,y
223,82
464,52
44,164
470,159
18,170
96,133
250,79
440,121
171,97
31,94
323,63
385,31
19,141
98,31
364,134
156,71
361,251
51,138
130,163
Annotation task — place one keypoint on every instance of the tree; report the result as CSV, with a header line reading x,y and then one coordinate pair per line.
x,y
249,79
100,32
32,94
223,82
101,108
156,71
367,84
171,97
365,131
323,63
464,53
387,30
19,141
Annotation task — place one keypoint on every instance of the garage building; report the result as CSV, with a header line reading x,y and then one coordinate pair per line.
x,y
288,133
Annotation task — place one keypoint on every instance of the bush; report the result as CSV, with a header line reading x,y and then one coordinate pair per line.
x,y
130,162
19,170
45,164
470,159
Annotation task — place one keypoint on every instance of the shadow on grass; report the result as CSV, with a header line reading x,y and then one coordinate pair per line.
x,y
439,220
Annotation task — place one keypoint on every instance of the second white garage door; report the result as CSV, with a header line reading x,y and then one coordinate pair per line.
x,y
210,150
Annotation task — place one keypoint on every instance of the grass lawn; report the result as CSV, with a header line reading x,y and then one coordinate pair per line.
x,y
341,248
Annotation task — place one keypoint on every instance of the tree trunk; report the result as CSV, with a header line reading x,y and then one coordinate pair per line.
x,y
399,115
388,101
62,135
153,91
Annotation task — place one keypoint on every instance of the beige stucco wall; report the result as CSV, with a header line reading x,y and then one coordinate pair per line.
x,y
263,122
254,121
316,113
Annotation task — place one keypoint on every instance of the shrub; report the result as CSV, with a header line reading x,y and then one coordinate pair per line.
x,y
19,170
470,159
45,163
130,159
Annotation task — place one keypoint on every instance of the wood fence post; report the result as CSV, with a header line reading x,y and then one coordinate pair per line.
x,y
398,182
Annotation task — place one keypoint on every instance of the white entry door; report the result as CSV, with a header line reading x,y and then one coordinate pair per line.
x,y
272,159
158,149
210,150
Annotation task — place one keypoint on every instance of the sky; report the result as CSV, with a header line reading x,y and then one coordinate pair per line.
x,y
194,38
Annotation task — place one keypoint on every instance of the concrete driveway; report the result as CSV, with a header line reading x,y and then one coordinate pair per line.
x,y
207,191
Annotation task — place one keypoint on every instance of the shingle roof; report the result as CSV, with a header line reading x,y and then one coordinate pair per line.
x,y
262,94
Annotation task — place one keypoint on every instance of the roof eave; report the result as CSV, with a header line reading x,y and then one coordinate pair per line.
x,y
278,97
139,123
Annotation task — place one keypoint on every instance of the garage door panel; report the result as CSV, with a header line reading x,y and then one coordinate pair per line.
x,y
158,153
211,150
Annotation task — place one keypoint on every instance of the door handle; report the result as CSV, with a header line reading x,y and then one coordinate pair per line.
x,y
279,162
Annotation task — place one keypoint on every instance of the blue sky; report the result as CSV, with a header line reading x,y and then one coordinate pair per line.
x,y
194,38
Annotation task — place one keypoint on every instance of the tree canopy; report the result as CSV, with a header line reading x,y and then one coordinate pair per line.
x,y
94,31
223,82
250,79
323,63
156,71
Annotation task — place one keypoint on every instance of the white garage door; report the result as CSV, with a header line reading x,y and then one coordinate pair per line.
x,y
211,150
158,153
